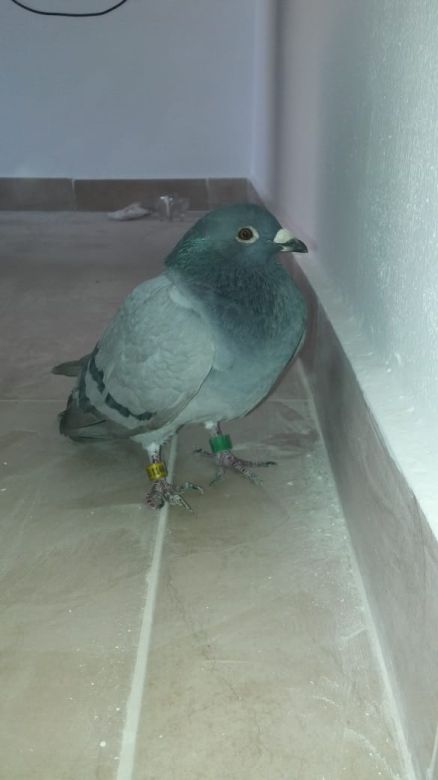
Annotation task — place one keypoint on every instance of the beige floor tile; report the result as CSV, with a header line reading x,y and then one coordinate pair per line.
x,y
260,663
74,552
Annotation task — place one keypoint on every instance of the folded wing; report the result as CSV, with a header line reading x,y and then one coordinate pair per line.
x,y
150,362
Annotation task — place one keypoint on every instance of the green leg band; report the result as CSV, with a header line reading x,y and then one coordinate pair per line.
x,y
220,442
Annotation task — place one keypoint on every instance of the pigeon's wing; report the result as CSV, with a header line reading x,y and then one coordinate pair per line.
x,y
150,362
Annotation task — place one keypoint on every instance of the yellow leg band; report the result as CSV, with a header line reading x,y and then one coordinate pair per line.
x,y
156,470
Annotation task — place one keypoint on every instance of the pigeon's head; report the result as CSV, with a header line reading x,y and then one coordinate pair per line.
x,y
239,233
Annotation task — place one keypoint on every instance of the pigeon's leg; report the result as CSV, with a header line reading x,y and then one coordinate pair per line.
x,y
221,451
162,490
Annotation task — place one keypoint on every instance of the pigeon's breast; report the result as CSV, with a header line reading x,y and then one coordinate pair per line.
x,y
267,323
252,347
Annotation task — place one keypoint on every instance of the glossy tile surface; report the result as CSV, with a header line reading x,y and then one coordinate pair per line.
x,y
259,661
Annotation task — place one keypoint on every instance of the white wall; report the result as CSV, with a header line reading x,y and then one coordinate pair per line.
x,y
159,88
346,153
350,160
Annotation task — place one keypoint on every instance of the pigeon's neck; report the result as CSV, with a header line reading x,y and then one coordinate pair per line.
x,y
253,303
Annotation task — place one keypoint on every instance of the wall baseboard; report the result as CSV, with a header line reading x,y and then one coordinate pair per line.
x,y
20,194
395,548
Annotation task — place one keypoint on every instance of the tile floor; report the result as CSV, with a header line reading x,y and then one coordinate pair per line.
x,y
226,644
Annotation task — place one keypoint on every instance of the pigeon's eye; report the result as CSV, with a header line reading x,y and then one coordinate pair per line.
x,y
247,235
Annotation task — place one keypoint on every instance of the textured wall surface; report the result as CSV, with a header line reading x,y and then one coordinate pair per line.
x,y
346,153
353,120
153,90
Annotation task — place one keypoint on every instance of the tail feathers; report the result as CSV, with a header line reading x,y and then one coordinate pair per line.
x,y
71,367
79,424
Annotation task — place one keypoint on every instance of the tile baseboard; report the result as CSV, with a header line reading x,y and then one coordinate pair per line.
x,y
395,547
39,194
20,194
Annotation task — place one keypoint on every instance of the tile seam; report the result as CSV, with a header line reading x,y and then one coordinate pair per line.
x,y
135,700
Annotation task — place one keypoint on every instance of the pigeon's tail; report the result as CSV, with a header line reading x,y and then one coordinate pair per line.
x,y
81,425
72,367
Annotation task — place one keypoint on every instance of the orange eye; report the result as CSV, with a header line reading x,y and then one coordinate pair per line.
x,y
245,234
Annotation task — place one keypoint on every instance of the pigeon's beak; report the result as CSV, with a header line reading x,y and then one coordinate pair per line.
x,y
288,243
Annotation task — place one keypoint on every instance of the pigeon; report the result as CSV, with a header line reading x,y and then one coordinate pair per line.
x,y
203,342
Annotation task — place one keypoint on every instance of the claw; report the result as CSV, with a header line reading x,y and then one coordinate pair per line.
x,y
163,492
190,486
227,460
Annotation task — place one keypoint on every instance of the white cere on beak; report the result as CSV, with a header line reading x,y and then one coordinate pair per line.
x,y
282,237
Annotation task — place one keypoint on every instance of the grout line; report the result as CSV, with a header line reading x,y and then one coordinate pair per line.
x,y
392,708
136,697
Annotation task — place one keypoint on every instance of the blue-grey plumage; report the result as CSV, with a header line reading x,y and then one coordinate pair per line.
x,y
204,342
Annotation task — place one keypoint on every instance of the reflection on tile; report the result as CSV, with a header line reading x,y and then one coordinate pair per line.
x,y
260,662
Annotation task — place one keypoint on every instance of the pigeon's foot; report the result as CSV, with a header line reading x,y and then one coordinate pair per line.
x,y
227,460
163,492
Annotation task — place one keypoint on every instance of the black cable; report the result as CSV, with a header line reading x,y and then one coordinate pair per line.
x,y
65,13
